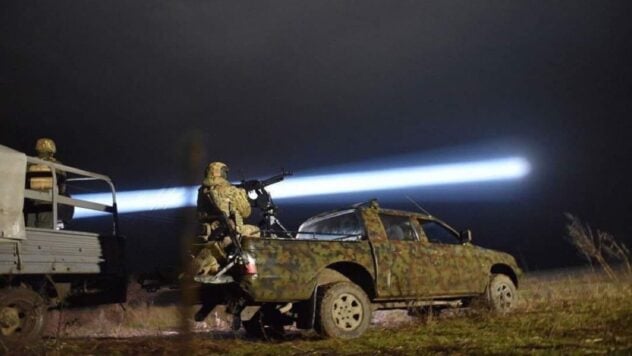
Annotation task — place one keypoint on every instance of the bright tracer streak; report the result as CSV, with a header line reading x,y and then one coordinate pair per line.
x,y
385,179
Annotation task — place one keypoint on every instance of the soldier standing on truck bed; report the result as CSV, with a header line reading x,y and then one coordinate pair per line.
x,y
40,177
217,197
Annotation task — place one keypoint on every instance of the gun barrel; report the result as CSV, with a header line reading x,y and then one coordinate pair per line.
x,y
255,184
275,179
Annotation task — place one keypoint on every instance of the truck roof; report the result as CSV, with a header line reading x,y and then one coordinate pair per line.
x,y
373,202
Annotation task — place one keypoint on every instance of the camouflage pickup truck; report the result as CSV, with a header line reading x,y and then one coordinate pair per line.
x,y
343,265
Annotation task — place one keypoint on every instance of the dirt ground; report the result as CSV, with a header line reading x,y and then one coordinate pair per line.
x,y
565,312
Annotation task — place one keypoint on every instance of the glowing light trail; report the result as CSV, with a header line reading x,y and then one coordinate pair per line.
x,y
373,180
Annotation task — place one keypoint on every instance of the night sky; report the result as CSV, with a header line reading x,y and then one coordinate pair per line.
x,y
124,87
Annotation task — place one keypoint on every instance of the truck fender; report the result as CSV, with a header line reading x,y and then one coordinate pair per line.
x,y
328,275
307,308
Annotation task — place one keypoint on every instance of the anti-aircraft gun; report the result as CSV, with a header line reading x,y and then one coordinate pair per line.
x,y
270,225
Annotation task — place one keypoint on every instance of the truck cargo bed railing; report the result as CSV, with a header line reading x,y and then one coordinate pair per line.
x,y
55,198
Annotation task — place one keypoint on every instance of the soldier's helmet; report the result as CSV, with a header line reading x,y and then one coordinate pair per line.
x,y
217,169
45,147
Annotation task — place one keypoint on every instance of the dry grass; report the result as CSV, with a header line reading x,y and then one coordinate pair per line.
x,y
144,314
599,246
565,312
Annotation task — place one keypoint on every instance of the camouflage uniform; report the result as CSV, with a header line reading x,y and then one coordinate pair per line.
x,y
218,197
40,177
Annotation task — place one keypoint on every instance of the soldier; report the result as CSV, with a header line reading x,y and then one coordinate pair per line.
x,y
40,177
218,202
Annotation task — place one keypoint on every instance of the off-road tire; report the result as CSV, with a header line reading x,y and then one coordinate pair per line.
x,y
343,311
501,295
31,309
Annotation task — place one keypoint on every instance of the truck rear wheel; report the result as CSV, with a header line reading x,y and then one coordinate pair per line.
x,y
22,316
344,311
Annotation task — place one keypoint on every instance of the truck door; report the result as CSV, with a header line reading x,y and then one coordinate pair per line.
x,y
386,284
458,269
395,244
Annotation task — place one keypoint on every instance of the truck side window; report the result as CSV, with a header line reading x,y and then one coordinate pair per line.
x,y
398,228
342,226
438,234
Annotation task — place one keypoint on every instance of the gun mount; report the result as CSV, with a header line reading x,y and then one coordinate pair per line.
x,y
270,224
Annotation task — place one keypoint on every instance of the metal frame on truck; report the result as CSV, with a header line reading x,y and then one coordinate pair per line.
x,y
41,267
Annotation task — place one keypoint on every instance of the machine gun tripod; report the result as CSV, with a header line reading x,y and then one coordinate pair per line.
x,y
270,225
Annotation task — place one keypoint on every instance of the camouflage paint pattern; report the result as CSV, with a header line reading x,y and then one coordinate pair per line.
x,y
414,269
288,270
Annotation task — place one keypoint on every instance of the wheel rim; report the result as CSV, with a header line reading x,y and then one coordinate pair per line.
x,y
347,312
9,320
17,318
504,296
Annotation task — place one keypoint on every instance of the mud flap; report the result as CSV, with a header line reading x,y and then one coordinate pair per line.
x,y
306,311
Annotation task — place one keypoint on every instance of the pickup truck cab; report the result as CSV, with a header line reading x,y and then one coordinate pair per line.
x,y
343,265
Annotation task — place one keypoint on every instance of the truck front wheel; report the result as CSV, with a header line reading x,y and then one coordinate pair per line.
x,y
22,316
344,311
501,295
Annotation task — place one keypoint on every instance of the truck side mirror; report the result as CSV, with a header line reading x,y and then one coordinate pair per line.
x,y
466,236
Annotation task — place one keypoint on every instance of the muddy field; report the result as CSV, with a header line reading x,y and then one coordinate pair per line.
x,y
559,313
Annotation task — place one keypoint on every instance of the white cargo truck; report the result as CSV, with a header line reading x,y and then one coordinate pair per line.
x,y
45,267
